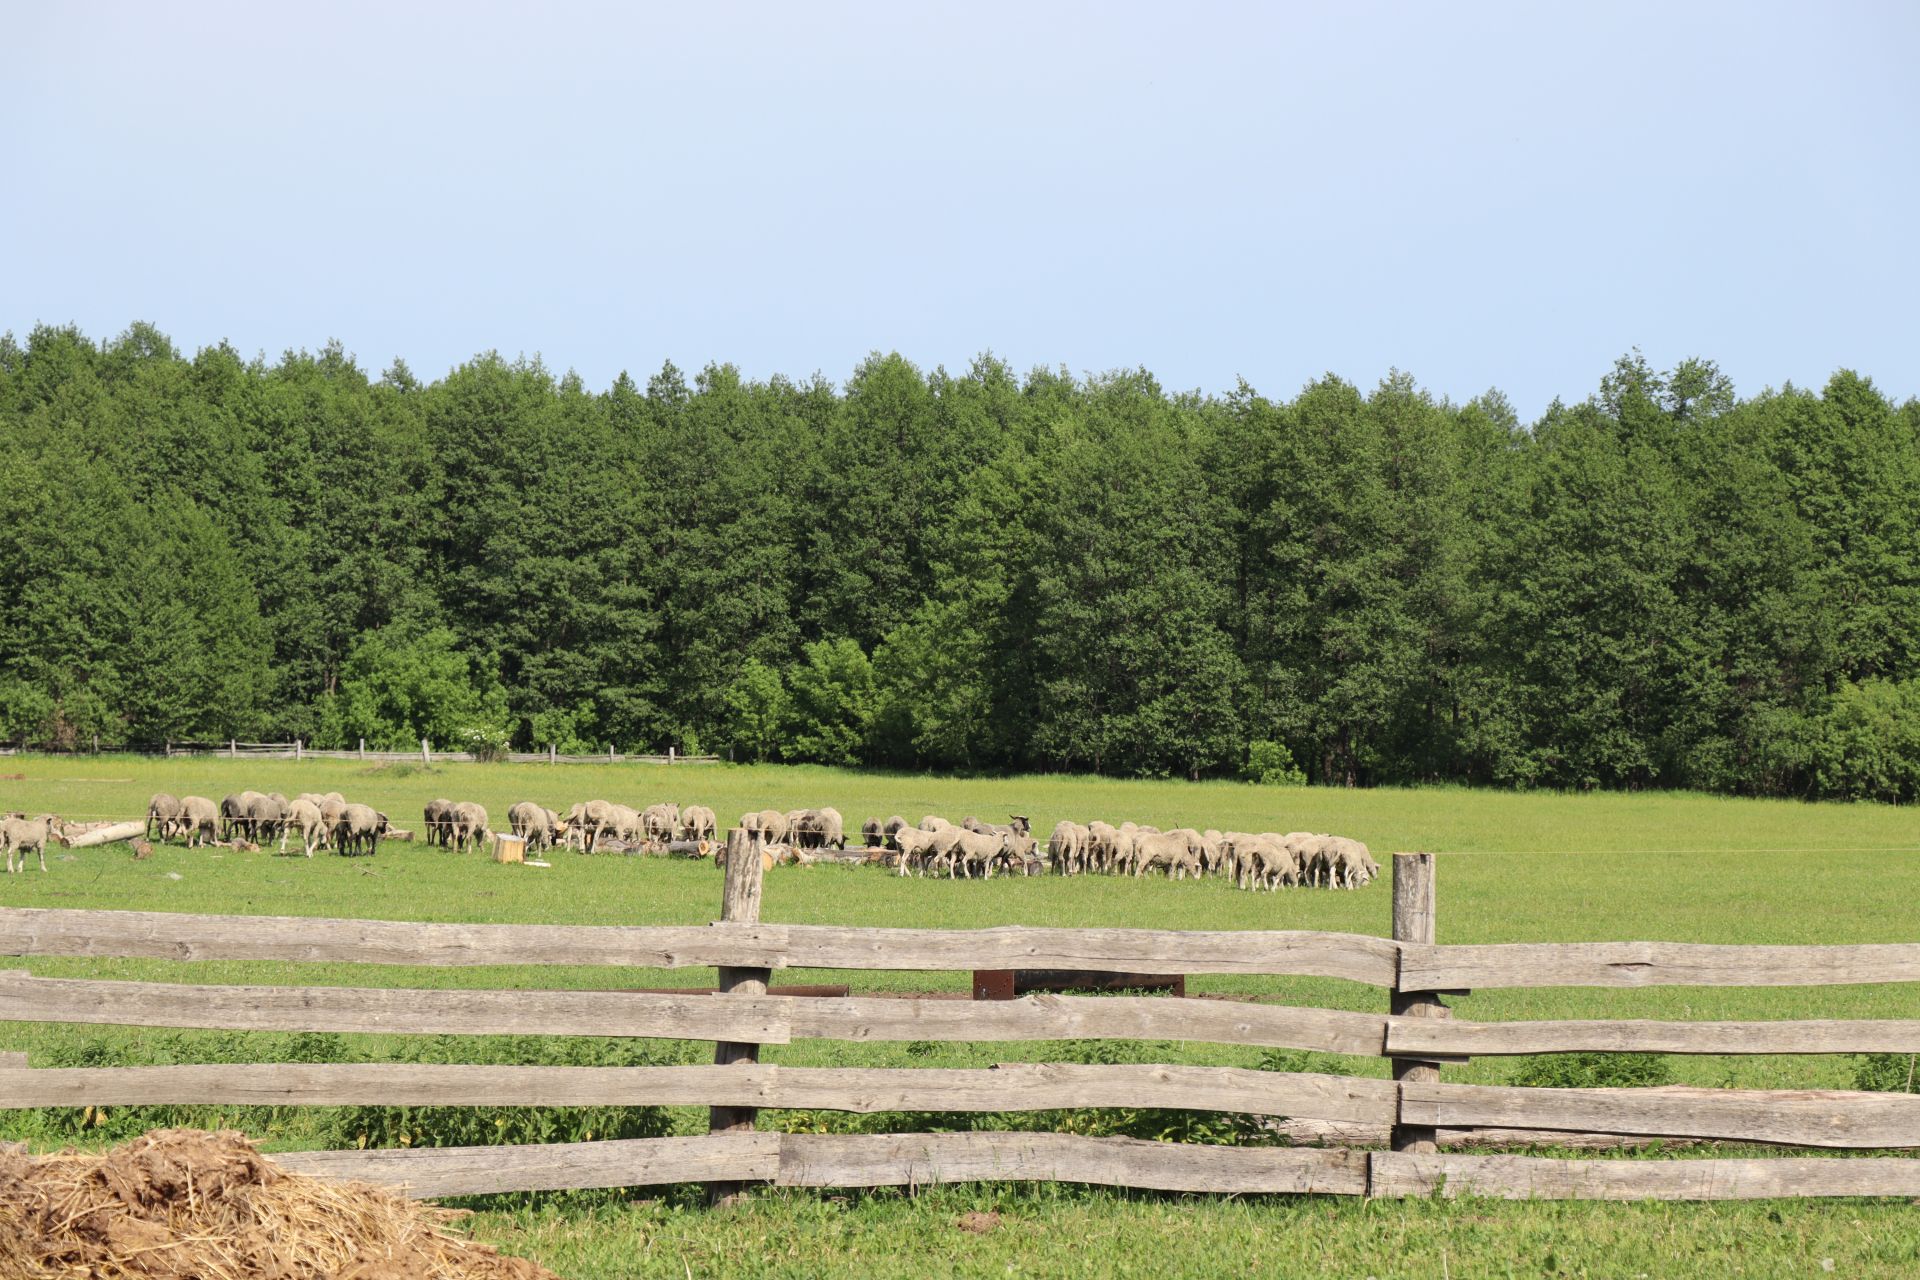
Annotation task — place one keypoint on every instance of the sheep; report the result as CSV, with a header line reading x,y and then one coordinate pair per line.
x,y
437,817
360,826
266,817
29,835
1067,848
1103,846
305,814
913,844
976,852
697,822
234,819
770,823
1170,849
163,815
661,822
533,823
331,807
199,820
469,827
940,848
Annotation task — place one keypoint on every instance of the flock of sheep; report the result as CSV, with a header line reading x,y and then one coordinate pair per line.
x,y
586,826
1263,861
323,821
971,848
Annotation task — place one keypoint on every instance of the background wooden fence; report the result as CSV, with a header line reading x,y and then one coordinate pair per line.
x,y
426,753
1415,1031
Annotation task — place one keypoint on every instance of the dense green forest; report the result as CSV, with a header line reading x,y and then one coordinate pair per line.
x,y
1661,584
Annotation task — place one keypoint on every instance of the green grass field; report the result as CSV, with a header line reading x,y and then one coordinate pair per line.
x,y
1518,868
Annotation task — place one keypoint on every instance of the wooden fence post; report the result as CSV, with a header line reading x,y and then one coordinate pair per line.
x,y
296,750
426,756
553,754
739,904
1413,921
610,759
363,748
233,749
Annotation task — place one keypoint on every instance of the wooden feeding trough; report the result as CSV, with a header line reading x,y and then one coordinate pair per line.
x,y
507,848
1010,984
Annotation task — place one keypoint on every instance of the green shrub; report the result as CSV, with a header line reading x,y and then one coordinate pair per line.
x,y
1271,764
1867,746
1593,1071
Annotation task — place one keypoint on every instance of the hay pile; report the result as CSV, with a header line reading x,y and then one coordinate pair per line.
x,y
182,1204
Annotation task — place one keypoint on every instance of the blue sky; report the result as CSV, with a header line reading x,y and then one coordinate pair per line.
x,y
1484,195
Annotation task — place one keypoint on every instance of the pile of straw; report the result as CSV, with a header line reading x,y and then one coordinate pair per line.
x,y
188,1205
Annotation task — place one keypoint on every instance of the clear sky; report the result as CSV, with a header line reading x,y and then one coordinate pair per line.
x,y
1484,195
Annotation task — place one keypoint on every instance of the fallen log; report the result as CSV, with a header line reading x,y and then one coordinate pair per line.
x,y
106,835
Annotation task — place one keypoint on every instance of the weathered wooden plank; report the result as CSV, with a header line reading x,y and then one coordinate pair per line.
x,y
1522,1177
394,1010
1496,1039
1805,1118
752,1019
628,1162
919,1159
1650,964
845,1160
34,931
1357,957
1009,1087
1055,1017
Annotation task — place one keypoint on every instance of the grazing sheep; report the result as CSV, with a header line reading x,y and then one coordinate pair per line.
x,y
697,822
266,817
934,823
330,810
469,828
163,815
975,852
1067,848
871,836
361,827
437,817
233,814
1103,846
661,822
913,844
535,824
304,814
1171,850
940,848
199,820
770,823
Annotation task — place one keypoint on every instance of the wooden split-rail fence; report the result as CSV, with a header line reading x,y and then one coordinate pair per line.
x,y
1415,1031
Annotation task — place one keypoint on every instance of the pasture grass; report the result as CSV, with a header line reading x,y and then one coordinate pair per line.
x,y
1536,867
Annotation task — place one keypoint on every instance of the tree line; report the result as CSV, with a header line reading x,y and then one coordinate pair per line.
x,y
1660,585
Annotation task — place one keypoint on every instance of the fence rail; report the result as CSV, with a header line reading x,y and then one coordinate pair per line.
x,y
1418,1034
